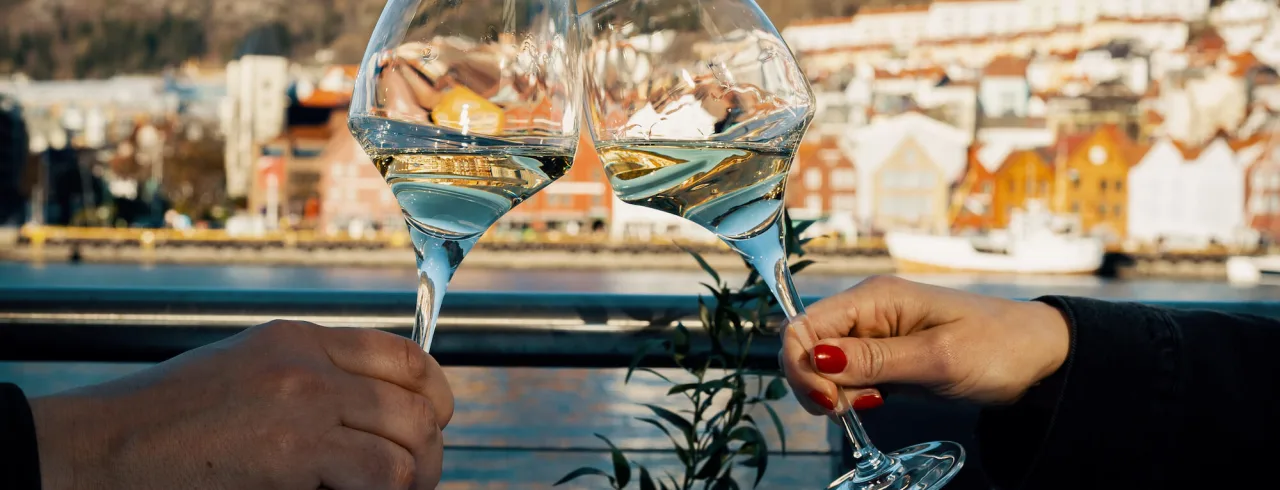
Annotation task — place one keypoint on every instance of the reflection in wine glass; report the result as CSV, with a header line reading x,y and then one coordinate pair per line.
x,y
697,108
467,109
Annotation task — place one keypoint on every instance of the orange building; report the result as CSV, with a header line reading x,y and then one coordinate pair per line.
x,y
822,180
1091,180
971,200
580,202
1024,175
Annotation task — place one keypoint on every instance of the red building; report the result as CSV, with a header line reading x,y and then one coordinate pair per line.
x,y
1262,192
578,203
823,184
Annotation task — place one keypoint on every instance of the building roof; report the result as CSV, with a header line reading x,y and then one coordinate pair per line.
x,y
823,21
1006,66
894,9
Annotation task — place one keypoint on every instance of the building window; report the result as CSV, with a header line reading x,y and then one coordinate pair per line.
x,y
843,179
844,203
1075,206
986,187
1117,211
1102,210
813,178
1119,185
1102,185
1258,204
813,202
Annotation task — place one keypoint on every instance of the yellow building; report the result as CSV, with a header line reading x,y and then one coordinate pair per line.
x,y
1091,180
1024,175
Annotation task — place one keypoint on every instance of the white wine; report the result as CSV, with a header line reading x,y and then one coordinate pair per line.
x,y
734,190
457,196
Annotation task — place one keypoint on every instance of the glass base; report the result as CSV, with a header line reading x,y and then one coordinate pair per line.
x,y
926,466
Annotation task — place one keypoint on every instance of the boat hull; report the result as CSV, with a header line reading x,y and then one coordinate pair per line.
x,y
922,253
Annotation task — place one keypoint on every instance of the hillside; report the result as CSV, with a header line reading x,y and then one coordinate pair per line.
x,y
65,39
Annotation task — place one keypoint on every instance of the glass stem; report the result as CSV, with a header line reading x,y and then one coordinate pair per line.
x,y
767,255
437,258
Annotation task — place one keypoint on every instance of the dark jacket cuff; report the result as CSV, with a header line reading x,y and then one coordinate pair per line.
x,y
1118,380
19,458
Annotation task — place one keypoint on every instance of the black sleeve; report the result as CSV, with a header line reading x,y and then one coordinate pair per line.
x,y
19,461
1147,398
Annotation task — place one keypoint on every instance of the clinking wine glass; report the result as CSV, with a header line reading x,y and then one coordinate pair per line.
x,y
467,108
696,108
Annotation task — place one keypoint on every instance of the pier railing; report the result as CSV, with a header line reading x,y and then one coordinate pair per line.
x,y
475,329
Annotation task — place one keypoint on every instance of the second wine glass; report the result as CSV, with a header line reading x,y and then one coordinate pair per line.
x,y
696,108
467,108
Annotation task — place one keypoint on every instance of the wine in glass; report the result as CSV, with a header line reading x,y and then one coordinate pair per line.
x,y
696,108
467,108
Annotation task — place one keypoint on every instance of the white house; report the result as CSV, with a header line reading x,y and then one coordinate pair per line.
x,y
1187,197
898,140
1241,23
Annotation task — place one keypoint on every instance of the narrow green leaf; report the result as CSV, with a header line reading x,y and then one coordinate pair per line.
x,y
681,388
702,263
640,355
646,482
777,389
655,373
715,460
801,265
798,228
726,482
621,468
681,453
777,425
761,459
680,339
684,426
584,471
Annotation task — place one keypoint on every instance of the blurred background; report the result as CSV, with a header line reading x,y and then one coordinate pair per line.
x,y
201,145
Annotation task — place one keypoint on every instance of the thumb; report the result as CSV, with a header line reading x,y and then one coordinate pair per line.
x,y
853,361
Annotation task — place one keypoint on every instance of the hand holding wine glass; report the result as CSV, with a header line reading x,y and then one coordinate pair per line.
x,y
888,330
467,109
696,108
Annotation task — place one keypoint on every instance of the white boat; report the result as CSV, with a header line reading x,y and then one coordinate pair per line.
x,y
1249,270
1034,243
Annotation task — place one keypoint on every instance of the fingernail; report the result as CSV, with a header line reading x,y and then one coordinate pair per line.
x,y
829,359
822,400
868,402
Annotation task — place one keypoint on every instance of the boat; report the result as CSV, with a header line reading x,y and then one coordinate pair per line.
x,y
1036,242
1250,270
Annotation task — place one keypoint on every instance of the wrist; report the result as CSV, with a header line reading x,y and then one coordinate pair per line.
x,y
1053,335
65,439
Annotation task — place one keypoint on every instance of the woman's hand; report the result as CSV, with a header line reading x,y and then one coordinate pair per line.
x,y
285,405
888,330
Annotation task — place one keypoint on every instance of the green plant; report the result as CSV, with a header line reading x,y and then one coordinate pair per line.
x,y
716,434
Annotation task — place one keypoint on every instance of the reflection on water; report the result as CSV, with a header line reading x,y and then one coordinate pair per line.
x,y
248,277
525,428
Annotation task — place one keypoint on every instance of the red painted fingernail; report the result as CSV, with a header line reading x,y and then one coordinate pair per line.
x,y
868,402
829,359
821,399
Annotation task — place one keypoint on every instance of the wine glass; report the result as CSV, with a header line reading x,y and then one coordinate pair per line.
x,y
467,108
696,108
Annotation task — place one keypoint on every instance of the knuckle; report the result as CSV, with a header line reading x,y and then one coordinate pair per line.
x,y
879,281
400,470
868,360
292,381
415,362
